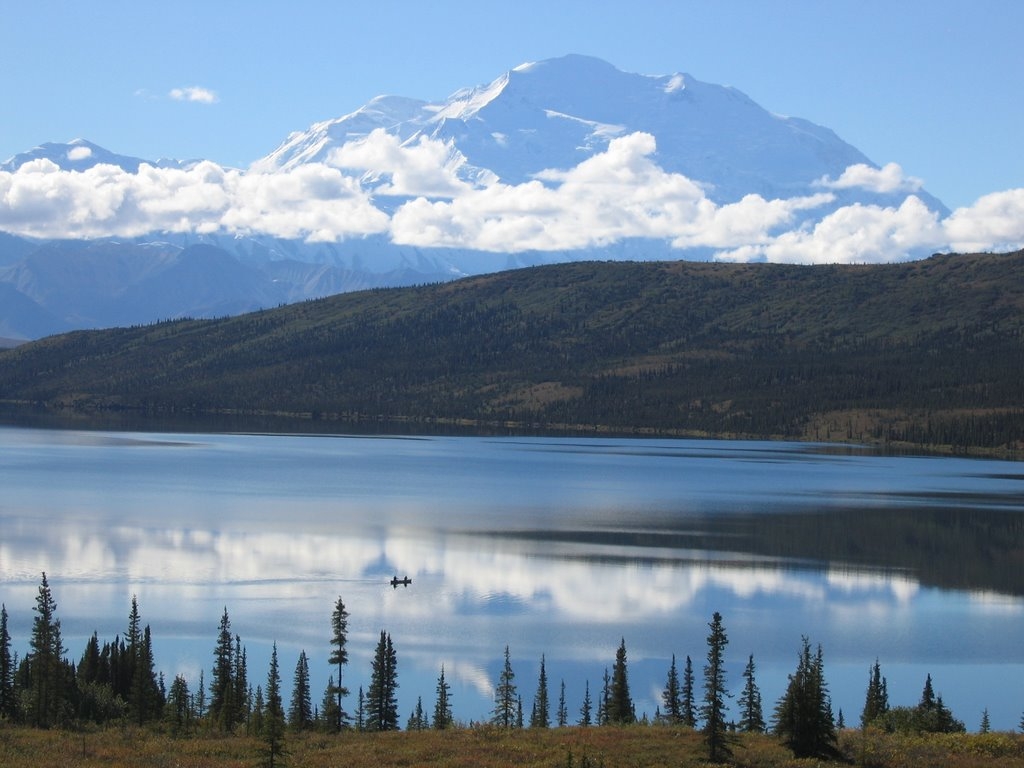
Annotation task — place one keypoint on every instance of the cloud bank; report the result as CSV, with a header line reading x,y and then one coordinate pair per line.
x,y
425,194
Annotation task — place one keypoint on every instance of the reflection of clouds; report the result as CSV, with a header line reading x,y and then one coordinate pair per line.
x,y
900,586
570,581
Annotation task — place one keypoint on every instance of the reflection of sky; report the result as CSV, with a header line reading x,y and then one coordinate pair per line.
x,y
276,528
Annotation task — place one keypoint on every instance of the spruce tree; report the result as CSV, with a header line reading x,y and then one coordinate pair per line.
x,y
620,702
240,683
751,715
715,693
47,681
339,656
586,709
382,703
876,701
418,718
803,716
443,705
178,713
145,702
8,710
671,696
273,715
504,714
563,712
985,725
329,706
541,716
361,711
300,714
222,685
689,711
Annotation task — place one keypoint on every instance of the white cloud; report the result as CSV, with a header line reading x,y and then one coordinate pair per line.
x,y
194,93
994,223
889,178
613,195
79,153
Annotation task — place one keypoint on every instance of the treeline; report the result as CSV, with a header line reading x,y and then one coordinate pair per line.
x,y
925,353
116,683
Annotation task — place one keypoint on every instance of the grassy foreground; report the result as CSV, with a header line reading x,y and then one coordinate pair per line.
x,y
482,747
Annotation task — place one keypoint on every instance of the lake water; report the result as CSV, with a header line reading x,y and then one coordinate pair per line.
x,y
560,547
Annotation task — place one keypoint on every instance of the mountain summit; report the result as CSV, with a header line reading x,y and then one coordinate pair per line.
x,y
554,114
559,160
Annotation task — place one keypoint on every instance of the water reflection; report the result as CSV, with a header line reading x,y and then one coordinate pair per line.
x,y
554,547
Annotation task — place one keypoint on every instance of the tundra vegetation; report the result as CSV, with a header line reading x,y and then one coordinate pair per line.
x,y
113,708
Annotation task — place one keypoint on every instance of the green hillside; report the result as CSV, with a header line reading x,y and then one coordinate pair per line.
x,y
929,353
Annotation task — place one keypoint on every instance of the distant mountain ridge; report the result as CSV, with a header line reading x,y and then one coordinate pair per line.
x,y
925,353
546,115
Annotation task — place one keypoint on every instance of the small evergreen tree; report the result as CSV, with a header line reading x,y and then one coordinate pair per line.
x,y
339,656
803,716
418,719
443,706
273,716
751,716
672,697
382,702
715,693
361,711
8,707
985,725
300,714
689,709
540,717
328,707
563,712
586,708
179,715
504,714
876,701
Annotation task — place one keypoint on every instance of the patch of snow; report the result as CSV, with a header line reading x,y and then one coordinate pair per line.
x,y
676,83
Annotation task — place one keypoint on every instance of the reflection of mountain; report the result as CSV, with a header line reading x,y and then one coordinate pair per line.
x,y
968,549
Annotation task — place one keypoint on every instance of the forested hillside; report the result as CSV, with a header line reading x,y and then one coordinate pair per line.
x,y
928,353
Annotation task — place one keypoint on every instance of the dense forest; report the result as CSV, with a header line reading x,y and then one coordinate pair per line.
x,y
926,353
115,683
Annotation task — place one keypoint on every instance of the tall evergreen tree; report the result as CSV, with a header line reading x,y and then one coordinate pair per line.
x,y
876,701
300,714
443,705
620,702
803,716
339,656
47,680
671,696
240,683
563,712
145,701
361,711
541,716
222,685
382,702
273,715
586,709
8,709
606,694
715,693
751,714
505,695
689,709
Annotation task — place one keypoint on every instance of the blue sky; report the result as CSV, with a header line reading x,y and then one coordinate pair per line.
x,y
935,86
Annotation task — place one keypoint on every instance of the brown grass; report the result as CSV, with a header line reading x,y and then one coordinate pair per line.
x,y
647,747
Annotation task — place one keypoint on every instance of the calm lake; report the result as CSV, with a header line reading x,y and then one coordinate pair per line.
x,y
552,546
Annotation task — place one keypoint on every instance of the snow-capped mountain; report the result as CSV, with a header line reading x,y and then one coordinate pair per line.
x,y
554,114
80,155
481,168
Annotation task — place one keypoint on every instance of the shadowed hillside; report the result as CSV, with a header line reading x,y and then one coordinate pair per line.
x,y
928,353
